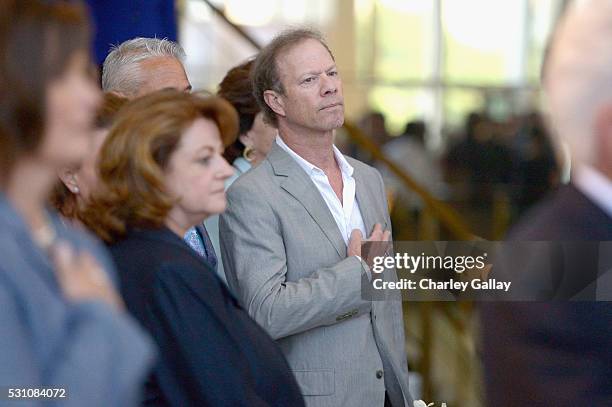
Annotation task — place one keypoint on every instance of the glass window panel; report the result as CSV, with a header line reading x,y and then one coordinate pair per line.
x,y
212,47
394,38
208,56
484,40
253,13
404,39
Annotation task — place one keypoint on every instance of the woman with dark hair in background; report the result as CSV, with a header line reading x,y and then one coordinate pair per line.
x,y
62,321
254,140
255,136
161,172
77,182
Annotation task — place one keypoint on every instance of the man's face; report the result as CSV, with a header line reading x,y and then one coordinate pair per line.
x,y
162,73
313,89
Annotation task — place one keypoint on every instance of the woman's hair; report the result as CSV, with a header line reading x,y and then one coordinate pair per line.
x,y
62,198
236,88
37,42
136,153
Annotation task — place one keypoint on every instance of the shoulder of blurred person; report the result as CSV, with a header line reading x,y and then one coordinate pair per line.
x,y
34,305
564,215
523,341
557,352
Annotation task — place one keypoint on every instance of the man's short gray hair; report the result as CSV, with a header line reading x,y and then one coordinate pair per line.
x,y
578,75
120,72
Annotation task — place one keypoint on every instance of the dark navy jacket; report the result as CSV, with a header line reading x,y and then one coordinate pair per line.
x,y
211,352
553,353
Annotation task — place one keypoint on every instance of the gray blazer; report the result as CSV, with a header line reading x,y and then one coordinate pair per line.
x,y
287,262
99,356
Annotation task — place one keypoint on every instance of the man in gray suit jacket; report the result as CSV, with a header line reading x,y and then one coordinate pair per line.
x,y
291,237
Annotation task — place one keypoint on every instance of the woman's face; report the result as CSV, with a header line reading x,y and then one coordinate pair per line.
x,y
260,138
87,174
71,103
82,179
196,174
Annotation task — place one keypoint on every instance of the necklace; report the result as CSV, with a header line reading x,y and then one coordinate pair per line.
x,y
45,235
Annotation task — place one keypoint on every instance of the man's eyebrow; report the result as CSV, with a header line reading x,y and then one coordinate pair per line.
x,y
311,73
320,72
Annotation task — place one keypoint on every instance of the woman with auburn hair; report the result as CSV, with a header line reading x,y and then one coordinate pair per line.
x,y
63,324
162,172
77,182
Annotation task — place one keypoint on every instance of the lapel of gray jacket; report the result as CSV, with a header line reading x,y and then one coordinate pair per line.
x,y
297,183
365,198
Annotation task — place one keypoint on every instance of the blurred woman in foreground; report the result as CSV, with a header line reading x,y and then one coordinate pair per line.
x,y
77,182
161,172
62,321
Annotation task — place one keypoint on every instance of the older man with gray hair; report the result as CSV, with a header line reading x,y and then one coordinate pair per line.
x,y
144,65
558,353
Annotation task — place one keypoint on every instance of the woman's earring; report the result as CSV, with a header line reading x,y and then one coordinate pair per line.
x,y
248,153
75,190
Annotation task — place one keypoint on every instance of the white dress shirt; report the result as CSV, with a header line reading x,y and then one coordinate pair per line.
x,y
596,186
346,213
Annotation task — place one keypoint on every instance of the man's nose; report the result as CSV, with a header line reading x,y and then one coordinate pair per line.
x,y
328,85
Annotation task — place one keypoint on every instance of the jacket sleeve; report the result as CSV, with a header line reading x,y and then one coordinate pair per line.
x,y
101,360
256,267
199,363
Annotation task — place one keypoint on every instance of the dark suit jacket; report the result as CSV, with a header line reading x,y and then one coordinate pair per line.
x,y
554,353
212,353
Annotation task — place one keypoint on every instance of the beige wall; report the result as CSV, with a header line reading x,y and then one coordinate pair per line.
x,y
341,37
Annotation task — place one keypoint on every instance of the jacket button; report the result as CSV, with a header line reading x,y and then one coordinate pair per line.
x,y
379,374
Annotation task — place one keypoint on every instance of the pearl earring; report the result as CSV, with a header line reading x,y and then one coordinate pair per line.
x,y
75,190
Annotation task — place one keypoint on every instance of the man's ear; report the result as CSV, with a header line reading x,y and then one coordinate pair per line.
x,y
275,102
69,179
